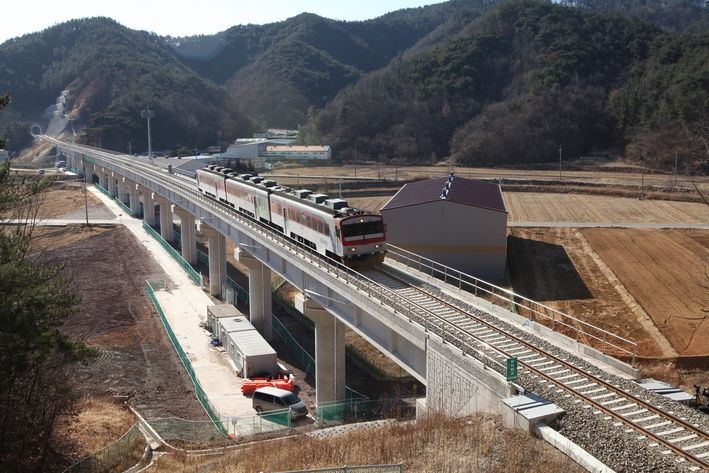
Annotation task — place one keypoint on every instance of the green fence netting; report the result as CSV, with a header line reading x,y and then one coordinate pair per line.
x,y
355,469
118,456
201,395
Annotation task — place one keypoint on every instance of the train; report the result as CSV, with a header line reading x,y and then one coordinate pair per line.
x,y
327,225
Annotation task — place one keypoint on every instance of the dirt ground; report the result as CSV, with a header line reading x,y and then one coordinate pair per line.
x,y
543,207
548,207
598,176
136,362
667,272
556,266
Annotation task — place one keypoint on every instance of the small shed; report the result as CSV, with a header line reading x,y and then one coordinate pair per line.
x,y
458,222
251,354
227,325
216,312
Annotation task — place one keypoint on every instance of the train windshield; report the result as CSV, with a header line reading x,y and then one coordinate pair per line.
x,y
359,228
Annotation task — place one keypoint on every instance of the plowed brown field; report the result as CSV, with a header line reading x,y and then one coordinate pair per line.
x,y
541,207
557,266
667,272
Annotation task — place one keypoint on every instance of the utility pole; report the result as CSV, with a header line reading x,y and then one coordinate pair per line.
x,y
130,148
559,162
675,185
148,114
355,162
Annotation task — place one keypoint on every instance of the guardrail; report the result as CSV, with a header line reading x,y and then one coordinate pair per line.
x,y
523,306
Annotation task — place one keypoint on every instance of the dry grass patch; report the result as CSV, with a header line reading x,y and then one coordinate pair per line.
x,y
434,445
96,423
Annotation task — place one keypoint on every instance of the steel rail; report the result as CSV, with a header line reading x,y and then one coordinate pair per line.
x,y
600,381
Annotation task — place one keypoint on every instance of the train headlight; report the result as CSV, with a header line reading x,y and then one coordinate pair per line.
x,y
377,246
353,249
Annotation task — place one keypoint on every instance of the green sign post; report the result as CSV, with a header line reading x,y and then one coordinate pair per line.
x,y
511,369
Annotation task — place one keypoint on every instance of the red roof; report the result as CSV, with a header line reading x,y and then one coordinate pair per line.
x,y
453,189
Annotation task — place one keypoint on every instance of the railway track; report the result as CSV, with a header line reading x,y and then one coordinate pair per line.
x,y
661,429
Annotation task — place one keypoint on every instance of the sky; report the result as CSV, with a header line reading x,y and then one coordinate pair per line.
x,y
185,17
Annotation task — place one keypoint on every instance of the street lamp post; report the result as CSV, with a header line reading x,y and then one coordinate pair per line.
x,y
559,162
148,114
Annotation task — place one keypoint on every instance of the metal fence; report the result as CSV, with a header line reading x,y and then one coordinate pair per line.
x,y
201,395
355,469
528,308
220,425
113,457
362,410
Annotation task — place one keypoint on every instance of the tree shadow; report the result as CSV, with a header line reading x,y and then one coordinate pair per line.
x,y
543,271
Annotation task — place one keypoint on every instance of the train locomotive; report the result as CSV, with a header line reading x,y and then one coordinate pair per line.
x,y
327,225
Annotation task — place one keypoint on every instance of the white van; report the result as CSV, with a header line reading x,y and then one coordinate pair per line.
x,y
273,399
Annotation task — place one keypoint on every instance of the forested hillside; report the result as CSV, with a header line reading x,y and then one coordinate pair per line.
x,y
483,81
113,72
277,71
524,80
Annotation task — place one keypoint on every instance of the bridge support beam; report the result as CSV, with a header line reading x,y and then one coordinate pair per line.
x,y
188,235
329,351
216,244
134,197
167,231
260,304
148,206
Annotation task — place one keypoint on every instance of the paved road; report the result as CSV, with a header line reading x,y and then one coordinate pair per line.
x,y
58,222
611,225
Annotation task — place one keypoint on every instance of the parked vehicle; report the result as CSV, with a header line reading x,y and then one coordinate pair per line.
x,y
273,399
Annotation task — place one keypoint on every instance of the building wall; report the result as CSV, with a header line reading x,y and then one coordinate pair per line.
x,y
470,239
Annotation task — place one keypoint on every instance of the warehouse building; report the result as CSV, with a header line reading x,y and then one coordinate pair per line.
x,y
458,222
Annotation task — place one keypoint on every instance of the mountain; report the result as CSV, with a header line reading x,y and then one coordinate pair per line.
x,y
483,81
111,73
519,83
277,71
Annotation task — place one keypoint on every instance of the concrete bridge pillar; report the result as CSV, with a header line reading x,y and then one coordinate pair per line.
x,y
188,235
260,304
148,206
88,174
134,197
329,350
166,228
111,184
121,189
216,244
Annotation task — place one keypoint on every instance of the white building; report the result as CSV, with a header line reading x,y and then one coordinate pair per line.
x,y
297,152
461,223
4,155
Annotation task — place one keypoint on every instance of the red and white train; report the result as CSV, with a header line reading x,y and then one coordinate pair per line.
x,y
326,225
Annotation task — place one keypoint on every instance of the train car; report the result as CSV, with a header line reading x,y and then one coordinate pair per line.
x,y
329,226
249,194
211,181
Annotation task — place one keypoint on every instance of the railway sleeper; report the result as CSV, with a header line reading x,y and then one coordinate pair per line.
x,y
665,433
603,396
593,391
684,438
694,447
658,424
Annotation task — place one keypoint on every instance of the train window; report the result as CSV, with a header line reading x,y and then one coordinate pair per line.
x,y
362,228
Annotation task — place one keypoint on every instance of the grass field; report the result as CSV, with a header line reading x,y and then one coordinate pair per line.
x,y
434,445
